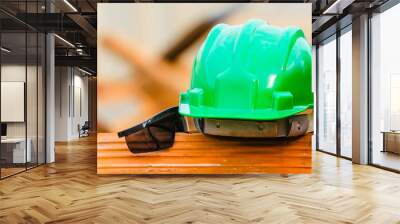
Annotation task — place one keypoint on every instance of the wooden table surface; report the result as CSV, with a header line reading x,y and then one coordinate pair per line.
x,y
200,154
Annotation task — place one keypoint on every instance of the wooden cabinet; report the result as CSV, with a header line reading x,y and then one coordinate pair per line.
x,y
391,141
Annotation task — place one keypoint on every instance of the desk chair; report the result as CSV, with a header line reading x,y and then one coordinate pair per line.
x,y
84,130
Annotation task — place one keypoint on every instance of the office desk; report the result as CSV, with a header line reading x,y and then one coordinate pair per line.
x,y
391,141
16,148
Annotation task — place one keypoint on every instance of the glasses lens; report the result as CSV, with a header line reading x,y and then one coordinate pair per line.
x,y
141,141
156,133
165,137
158,136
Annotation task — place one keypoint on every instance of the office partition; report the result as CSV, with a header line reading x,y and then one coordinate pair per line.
x,y
22,78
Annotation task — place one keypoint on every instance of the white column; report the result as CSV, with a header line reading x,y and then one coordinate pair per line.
x,y
360,90
50,98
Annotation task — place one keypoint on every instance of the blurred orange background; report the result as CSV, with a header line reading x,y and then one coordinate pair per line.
x,y
145,51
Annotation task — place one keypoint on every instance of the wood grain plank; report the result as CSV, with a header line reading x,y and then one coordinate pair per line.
x,y
200,154
205,170
182,153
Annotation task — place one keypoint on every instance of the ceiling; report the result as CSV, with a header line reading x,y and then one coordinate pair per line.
x,y
76,21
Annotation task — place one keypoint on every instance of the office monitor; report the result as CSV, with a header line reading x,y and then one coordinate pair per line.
x,y
3,129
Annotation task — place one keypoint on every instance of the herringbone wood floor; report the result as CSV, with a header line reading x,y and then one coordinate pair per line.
x,y
70,191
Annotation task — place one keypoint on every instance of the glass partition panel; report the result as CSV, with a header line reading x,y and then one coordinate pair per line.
x,y
385,89
327,96
41,78
314,87
31,98
22,88
346,94
14,153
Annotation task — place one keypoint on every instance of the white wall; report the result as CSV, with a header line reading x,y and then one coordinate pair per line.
x,y
71,94
80,103
62,82
12,73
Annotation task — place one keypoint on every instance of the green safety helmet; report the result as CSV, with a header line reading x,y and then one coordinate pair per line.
x,y
253,71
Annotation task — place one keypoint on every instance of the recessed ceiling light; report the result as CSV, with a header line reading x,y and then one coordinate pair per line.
x,y
84,71
70,5
337,7
5,50
64,40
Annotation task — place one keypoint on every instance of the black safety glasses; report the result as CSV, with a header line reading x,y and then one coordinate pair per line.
x,y
156,133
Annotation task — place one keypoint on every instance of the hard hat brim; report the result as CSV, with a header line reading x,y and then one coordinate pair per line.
x,y
257,114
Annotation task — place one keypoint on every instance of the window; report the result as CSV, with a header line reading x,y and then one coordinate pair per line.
x,y
346,93
327,96
385,89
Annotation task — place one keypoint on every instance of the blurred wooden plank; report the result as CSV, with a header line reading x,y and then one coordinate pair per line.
x,y
205,170
200,154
